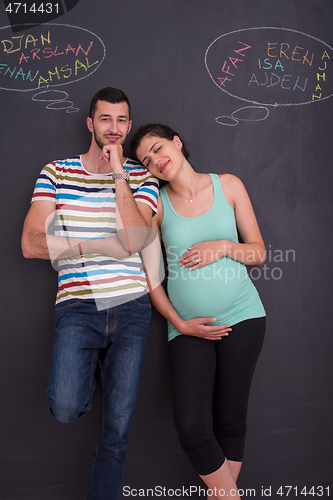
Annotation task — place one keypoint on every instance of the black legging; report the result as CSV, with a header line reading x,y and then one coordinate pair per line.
x,y
211,382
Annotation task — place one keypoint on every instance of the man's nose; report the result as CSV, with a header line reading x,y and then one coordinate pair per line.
x,y
113,128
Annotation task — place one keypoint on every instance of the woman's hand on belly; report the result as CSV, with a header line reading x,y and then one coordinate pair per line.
x,y
196,327
204,253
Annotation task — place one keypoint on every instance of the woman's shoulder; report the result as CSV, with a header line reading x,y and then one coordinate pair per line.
x,y
229,180
232,187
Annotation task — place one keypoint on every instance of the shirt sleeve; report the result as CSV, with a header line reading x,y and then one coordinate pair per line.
x,y
45,187
148,191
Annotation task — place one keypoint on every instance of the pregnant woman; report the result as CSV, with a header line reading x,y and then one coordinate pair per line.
x,y
216,321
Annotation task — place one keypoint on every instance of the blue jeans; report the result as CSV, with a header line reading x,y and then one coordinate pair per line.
x,y
113,341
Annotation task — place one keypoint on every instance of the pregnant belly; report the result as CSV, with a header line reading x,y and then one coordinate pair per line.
x,y
209,291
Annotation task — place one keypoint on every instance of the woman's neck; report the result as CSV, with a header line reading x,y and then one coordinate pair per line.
x,y
186,184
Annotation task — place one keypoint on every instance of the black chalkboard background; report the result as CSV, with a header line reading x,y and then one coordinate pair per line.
x,y
156,51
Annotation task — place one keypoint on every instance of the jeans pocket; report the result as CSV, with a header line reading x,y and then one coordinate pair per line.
x,y
143,301
68,305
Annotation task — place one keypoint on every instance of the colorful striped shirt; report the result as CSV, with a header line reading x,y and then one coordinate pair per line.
x,y
85,207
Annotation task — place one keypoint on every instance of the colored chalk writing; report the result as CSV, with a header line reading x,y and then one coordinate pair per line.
x,y
48,56
271,66
234,61
321,76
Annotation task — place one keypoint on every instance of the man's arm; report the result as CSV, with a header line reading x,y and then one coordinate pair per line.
x,y
34,242
37,244
133,227
133,219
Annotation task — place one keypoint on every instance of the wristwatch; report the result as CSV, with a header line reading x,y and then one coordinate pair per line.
x,y
122,175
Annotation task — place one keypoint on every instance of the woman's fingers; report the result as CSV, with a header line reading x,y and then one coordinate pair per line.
x,y
199,328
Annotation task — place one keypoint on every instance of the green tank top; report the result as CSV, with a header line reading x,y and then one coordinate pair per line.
x,y
222,289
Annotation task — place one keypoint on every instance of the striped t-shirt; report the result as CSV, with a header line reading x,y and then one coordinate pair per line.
x,y
85,205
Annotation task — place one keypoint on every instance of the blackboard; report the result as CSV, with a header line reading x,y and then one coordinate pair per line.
x,y
248,84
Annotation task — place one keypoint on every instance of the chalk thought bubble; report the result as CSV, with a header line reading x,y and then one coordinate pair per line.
x,y
47,56
271,66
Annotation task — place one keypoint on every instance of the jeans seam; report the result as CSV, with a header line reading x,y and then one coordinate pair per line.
x,y
108,328
144,306
103,403
92,373
102,421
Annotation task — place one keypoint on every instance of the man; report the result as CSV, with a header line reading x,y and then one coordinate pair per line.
x,y
101,205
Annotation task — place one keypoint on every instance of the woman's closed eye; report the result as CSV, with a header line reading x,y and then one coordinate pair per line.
x,y
147,161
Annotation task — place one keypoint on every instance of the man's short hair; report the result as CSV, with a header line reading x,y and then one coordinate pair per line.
x,y
109,94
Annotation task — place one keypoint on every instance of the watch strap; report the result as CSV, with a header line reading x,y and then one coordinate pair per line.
x,y
122,175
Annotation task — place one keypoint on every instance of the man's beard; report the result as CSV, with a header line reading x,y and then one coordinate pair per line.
x,y
101,144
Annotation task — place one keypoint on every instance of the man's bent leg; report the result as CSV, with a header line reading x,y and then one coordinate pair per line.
x,y
119,380
75,354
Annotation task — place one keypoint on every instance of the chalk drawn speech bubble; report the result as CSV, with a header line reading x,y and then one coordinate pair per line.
x,y
47,56
271,66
